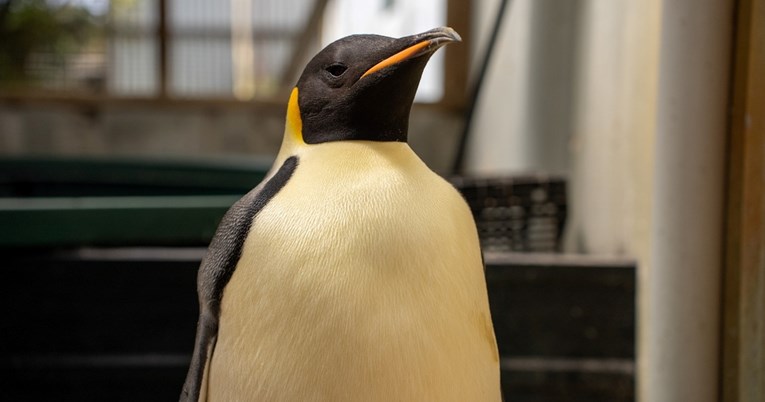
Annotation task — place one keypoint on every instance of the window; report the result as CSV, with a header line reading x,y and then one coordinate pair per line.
x,y
190,49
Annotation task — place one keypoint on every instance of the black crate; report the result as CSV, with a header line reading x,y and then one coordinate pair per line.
x,y
521,213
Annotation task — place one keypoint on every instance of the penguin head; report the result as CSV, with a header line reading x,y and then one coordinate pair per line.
x,y
361,87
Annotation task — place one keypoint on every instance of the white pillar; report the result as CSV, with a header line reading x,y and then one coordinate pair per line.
x,y
612,147
678,353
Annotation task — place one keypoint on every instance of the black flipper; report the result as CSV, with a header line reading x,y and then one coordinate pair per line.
x,y
217,267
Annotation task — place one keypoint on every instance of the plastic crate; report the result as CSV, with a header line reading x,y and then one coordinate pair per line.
x,y
519,213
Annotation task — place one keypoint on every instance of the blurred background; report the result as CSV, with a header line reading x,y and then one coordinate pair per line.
x,y
611,152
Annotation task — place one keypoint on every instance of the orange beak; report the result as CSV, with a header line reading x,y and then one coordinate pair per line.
x,y
433,40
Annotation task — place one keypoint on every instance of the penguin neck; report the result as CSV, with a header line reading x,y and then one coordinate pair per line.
x,y
354,163
294,144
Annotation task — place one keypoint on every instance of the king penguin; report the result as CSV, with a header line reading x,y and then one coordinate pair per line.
x,y
352,272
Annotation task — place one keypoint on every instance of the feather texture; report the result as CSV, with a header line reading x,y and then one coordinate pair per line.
x,y
360,280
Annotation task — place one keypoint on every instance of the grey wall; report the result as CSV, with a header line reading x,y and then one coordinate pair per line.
x,y
524,116
181,131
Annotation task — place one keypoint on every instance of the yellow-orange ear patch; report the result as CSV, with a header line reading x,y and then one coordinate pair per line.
x,y
294,121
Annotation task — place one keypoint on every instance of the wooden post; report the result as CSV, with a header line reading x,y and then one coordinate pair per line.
x,y
163,37
743,378
456,58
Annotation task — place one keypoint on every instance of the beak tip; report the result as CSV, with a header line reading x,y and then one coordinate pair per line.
x,y
452,34
441,36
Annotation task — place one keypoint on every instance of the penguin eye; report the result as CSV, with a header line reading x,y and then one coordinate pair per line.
x,y
336,69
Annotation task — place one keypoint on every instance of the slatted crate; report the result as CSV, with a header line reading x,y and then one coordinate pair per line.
x,y
517,213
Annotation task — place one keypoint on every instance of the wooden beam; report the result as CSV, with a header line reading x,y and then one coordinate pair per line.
x,y
743,376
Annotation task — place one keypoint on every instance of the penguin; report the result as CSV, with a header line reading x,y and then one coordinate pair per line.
x,y
352,272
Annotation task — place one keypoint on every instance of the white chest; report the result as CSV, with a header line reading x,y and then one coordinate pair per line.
x,y
360,280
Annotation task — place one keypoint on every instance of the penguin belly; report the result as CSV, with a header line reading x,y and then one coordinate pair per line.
x,y
361,280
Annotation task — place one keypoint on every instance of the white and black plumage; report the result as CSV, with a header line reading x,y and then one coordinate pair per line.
x,y
352,272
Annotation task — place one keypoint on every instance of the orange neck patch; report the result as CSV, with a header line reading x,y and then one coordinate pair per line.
x,y
294,121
